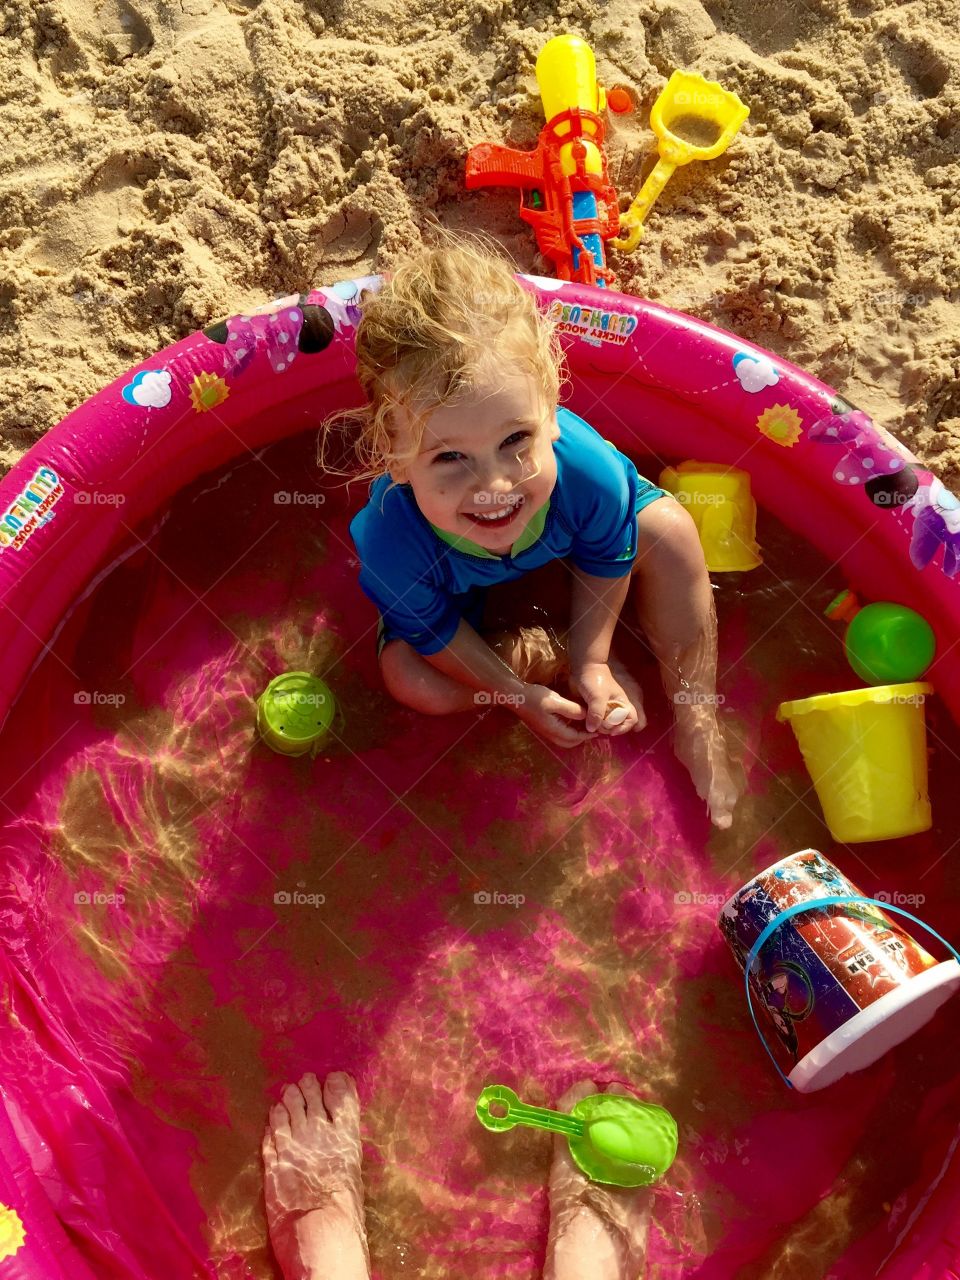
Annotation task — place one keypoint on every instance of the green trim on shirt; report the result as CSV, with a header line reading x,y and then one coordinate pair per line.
x,y
527,538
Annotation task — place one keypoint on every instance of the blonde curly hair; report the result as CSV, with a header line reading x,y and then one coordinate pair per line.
x,y
423,340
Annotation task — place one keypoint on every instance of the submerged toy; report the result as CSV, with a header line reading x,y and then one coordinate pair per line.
x,y
295,712
572,206
613,1138
722,506
885,643
694,119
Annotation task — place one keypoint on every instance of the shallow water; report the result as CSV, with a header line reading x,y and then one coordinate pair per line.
x,y
475,907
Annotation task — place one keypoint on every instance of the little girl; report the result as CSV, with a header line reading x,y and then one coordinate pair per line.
x,y
481,479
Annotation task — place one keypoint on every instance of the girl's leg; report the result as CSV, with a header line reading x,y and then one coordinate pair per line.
x,y
674,603
596,1232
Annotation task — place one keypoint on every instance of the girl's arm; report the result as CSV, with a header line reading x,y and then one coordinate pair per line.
x,y
469,659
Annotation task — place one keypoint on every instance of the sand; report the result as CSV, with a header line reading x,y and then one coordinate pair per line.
x,y
170,163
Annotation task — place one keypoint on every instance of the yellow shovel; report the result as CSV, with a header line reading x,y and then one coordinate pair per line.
x,y
694,119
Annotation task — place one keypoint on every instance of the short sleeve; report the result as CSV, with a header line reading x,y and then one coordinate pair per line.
x,y
401,576
605,542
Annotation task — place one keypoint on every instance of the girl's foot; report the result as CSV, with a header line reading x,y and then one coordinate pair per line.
x,y
596,1232
311,1159
699,746
630,687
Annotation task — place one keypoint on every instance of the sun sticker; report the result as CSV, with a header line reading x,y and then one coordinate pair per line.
x,y
781,424
207,391
12,1234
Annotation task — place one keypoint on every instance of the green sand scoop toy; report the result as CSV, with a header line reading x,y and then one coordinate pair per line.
x,y
294,713
613,1138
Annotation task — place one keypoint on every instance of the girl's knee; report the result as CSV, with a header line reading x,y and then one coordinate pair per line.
x,y
667,538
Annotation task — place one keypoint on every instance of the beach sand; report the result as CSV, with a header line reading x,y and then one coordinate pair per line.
x,y
167,164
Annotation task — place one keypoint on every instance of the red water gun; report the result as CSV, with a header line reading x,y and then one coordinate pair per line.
x,y
566,193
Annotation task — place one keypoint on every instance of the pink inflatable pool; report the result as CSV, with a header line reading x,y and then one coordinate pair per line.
x,y
190,920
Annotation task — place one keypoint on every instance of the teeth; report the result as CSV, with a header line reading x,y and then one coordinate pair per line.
x,y
495,517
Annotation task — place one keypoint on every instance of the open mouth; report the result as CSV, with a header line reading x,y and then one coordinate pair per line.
x,y
495,520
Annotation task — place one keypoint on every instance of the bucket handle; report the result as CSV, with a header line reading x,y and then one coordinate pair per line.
x,y
811,905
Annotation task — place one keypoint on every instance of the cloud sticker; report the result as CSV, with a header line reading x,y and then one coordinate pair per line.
x,y
754,371
544,282
149,390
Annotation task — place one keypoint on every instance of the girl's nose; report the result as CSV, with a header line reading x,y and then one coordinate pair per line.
x,y
495,478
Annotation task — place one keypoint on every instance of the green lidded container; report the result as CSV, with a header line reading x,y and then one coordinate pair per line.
x,y
295,712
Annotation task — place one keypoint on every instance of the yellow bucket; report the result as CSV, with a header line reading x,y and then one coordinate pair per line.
x,y
723,510
866,751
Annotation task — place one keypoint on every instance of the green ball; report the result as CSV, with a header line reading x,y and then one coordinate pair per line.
x,y
889,644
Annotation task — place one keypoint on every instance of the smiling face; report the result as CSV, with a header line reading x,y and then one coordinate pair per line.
x,y
486,461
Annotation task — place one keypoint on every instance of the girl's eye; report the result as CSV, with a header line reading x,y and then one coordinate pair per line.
x,y
451,455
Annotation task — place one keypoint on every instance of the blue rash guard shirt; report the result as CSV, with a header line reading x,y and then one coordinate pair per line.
x,y
424,580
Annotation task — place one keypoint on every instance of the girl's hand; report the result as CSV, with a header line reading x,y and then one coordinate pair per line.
x,y
548,714
609,709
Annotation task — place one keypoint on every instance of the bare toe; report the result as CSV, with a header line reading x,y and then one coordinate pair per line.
x,y
268,1148
294,1102
313,1097
279,1121
340,1095
576,1093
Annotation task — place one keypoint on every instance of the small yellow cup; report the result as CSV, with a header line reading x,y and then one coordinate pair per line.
x,y
866,751
723,510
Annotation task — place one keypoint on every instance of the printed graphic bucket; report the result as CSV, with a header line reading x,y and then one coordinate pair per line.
x,y
866,751
837,985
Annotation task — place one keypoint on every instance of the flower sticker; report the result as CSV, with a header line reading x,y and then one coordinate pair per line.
x,y
754,371
149,390
781,424
207,391
12,1234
